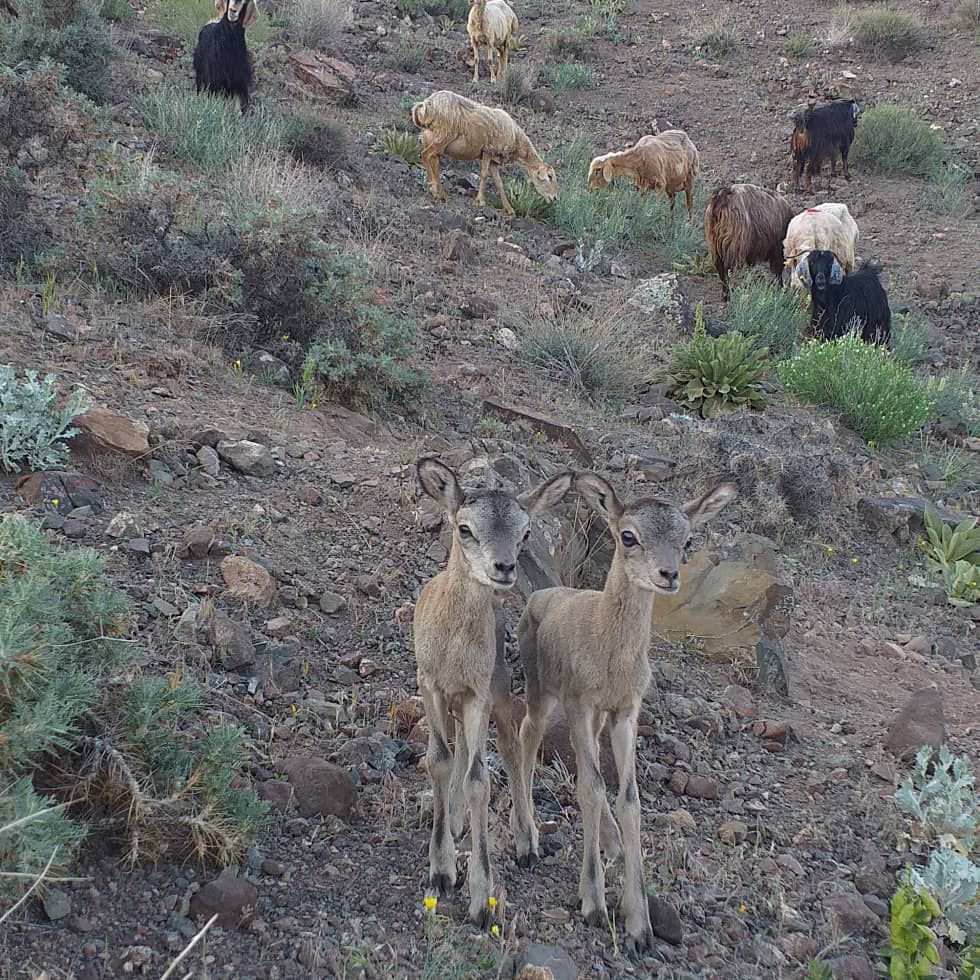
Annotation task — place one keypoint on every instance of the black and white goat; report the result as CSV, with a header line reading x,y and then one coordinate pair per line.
x,y
820,132
221,61
840,303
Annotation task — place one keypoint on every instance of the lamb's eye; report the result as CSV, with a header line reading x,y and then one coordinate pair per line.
x,y
527,534
689,544
629,539
464,532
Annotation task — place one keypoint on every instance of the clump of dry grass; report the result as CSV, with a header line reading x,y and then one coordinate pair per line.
x,y
317,23
880,29
272,176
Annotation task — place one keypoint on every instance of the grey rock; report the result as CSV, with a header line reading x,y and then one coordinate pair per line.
x,y
250,458
855,966
665,921
848,910
553,958
57,904
208,460
231,640
331,603
209,436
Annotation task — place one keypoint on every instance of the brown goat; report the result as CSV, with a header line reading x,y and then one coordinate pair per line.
x,y
745,225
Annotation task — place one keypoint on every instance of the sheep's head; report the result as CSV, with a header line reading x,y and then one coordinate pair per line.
x,y
545,180
820,269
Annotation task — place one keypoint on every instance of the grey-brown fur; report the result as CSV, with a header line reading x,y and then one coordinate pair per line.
x,y
587,651
462,674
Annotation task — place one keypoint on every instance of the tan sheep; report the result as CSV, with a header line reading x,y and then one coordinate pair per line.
x,y
462,129
829,227
667,162
491,23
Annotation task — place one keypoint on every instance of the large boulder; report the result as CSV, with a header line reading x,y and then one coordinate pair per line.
x,y
101,429
320,77
729,598
921,721
661,297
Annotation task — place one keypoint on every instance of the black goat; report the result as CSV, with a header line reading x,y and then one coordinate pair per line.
x,y
840,303
821,132
221,61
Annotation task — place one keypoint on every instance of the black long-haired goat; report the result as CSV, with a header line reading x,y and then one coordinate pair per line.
x,y
221,61
820,132
839,302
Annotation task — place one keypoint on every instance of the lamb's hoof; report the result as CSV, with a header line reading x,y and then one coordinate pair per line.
x,y
442,884
481,918
597,917
528,860
638,945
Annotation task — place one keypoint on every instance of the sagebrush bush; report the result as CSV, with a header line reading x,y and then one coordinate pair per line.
x,y
315,141
68,32
562,43
271,177
408,57
316,23
967,14
908,341
185,18
526,201
875,394
715,374
603,359
515,85
453,9
718,37
117,10
885,30
33,426
892,140
761,308
208,130
567,75
617,213
946,192
796,46
20,237
956,401
116,745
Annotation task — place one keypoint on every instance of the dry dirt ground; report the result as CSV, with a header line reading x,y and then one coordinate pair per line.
x,y
763,875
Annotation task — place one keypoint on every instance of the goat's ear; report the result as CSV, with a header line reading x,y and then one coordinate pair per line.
x,y
599,495
440,483
219,7
702,509
803,272
548,494
607,171
251,12
836,273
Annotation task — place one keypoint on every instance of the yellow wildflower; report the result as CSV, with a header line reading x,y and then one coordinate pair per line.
x,y
491,902
55,501
429,903
495,930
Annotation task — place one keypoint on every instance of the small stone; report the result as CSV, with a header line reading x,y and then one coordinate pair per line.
x,y
196,542
232,899
232,641
920,722
57,904
702,787
137,546
209,461
507,338
850,913
276,793
368,585
739,699
99,428
321,788
682,818
665,921
551,958
163,608
246,579
732,832
855,966
120,525
273,868
790,863
331,603
73,529
250,458
678,782
279,626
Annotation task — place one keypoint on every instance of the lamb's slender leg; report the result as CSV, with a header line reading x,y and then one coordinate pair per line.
x,y
491,62
457,794
503,54
610,839
442,849
501,193
523,821
590,787
481,187
671,196
476,718
689,201
723,276
476,61
430,161
634,902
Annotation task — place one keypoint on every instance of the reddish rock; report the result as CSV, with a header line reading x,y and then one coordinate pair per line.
x,y
233,899
247,579
321,788
196,542
920,722
702,788
276,793
71,490
320,77
100,428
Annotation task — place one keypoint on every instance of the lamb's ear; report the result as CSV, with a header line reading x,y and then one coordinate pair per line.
x,y
836,273
599,495
548,494
702,509
440,483
251,12
607,171
803,272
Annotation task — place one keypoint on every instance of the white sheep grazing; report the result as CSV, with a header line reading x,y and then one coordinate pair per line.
x,y
667,162
491,23
828,226
462,129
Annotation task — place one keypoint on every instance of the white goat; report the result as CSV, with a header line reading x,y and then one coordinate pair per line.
x,y
827,226
491,23
462,129
667,162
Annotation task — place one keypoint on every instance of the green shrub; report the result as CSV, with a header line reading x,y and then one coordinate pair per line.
x,y
68,32
526,201
399,143
114,744
618,214
718,38
185,18
892,140
797,46
956,401
409,57
563,43
909,332
875,394
715,374
315,141
21,238
316,23
567,75
761,308
911,950
952,880
601,359
946,192
208,130
967,14
885,30
515,85
117,10
954,554
34,428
